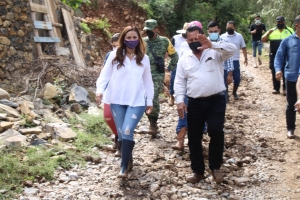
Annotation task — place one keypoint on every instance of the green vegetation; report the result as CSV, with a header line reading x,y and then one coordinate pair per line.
x,y
39,163
85,27
173,14
102,25
75,3
96,128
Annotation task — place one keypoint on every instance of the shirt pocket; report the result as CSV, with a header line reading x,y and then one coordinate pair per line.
x,y
209,64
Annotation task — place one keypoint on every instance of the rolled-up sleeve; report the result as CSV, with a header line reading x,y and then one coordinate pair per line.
x,y
225,48
105,75
148,83
180,82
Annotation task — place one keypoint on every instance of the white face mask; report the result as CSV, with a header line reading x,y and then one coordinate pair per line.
x,y
114,48
257,22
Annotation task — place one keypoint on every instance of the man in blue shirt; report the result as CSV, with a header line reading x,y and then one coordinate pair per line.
x,y
288,52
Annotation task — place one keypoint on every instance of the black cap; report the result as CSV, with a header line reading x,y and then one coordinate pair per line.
x,y
280,18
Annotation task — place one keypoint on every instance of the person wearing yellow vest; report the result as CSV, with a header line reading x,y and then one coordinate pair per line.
x,y
275,36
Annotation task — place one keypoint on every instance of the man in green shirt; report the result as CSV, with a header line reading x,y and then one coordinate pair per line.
x,y
156,48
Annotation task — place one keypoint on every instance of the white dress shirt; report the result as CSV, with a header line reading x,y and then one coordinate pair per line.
x,y
204,77
130,85
236,39
178,41
184,47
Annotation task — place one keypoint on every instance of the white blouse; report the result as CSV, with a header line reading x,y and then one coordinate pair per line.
x,y
130,85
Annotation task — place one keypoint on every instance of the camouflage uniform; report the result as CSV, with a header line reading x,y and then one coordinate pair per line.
x,y
160,46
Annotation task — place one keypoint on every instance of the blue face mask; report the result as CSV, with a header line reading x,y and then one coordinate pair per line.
x,y
213,36
257,22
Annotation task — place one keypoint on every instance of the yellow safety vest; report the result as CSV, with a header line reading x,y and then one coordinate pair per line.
x,y
276,37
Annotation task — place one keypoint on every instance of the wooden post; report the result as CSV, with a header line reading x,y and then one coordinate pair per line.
x,y
53,19
36,33
77,53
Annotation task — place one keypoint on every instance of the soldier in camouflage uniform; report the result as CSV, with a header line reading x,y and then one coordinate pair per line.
x,y
160,46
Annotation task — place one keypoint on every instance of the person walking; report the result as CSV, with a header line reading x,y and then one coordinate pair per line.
x,y
287,58
156,48
257,30
181,127
200,76
129,92
237,39
106,108
275,36
176,40
214,30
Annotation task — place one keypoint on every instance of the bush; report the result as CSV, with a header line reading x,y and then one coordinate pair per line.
x,y
75,3
102,25
85,27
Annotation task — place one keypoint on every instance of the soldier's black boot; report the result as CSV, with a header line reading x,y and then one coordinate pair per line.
x,y
153,128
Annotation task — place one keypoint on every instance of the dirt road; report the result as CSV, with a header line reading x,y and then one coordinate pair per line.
x,y
259,162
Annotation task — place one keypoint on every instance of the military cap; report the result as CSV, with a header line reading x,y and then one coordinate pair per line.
x,y
150,24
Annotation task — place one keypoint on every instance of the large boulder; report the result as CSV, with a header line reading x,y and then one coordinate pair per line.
x,y
79,95
60,132
16,141
9,103
10,111
4,94
9,133
51,91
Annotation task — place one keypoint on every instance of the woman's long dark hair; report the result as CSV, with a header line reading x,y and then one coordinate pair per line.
x,y
140,49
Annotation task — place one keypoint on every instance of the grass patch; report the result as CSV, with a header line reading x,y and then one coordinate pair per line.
x,y
39,163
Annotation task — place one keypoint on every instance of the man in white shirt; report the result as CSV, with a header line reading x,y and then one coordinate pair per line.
x,y
200,75
237,39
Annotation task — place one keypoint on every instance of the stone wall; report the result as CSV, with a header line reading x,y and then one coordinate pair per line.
x,y
17,48
16,41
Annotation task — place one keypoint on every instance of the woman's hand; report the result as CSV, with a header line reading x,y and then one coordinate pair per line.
x,y
149,109
98,98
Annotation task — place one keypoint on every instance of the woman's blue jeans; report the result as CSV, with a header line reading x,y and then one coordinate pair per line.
x,y
256,45
126,119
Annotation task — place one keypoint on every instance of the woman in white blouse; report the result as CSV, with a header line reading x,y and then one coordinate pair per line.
x,y
130,90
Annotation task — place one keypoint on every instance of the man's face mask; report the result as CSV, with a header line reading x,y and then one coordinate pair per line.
x,y
194,46
280,26
150,34
213,36
230,31
257,22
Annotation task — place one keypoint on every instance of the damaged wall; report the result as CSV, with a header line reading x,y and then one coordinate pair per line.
x,y
17,47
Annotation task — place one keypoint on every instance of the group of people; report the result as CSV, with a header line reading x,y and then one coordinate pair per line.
x,y
201,69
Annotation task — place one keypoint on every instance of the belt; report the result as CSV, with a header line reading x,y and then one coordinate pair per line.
x,y
212,96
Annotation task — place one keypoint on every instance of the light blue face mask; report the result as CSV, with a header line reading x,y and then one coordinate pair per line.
x,y
257,21
213,36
